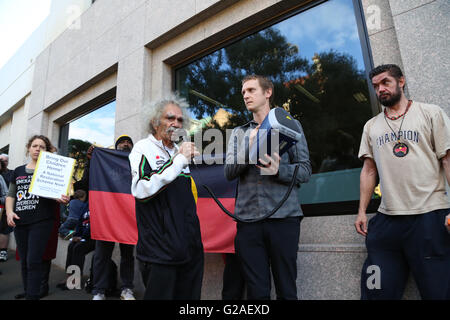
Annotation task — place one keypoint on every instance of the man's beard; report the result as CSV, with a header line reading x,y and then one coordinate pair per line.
x,y
391,100
126,149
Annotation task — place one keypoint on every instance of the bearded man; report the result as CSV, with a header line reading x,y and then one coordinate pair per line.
x,y
407,146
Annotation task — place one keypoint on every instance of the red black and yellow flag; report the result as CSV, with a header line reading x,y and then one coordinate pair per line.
x,y
112,206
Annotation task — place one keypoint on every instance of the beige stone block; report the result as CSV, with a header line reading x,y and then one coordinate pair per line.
x,y
106,84
161,16
234,14
108,14
57,86
423,35
41,67
327,275
337,229
213,277
331,272
71,42
132,32
161,81
176,45
401,6
201,5
37,99
130,84
78,70
19,122
378,15
5,133
385,48
104,51
82,101
37,124
131,126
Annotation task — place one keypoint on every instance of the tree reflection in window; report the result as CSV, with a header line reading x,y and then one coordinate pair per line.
x,y
327,93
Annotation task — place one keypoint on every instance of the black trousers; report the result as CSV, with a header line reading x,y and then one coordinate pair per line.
x,y
271,244
233,278
31,242
102,256
397,245
174,282
77,251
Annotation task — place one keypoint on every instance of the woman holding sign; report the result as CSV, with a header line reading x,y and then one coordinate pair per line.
x,y
31,216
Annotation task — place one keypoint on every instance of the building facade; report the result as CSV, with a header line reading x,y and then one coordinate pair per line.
x,y
318,53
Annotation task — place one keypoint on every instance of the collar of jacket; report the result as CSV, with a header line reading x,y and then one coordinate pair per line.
x,y
160,144
251,122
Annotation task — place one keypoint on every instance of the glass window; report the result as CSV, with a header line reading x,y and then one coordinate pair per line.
x,y
316,63
94,128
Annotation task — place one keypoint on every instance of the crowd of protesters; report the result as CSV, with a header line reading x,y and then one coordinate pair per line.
x,y
409,232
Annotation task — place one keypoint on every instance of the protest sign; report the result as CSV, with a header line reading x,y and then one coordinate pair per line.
x,y
52,175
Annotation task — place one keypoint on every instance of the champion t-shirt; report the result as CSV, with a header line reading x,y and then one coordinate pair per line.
x,y
414,183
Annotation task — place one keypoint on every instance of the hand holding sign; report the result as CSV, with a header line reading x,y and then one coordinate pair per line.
x,y
52,176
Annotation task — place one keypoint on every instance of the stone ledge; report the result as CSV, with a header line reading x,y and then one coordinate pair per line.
x,y
350,248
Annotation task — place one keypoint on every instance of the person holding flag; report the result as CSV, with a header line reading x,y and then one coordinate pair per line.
x,y
104,250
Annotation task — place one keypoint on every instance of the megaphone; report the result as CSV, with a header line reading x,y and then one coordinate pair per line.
x,y
278,132
279,124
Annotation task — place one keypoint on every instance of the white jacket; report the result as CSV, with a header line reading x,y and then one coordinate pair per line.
x,y
165,167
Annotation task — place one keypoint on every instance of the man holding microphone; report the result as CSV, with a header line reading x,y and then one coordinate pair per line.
x,y
169,247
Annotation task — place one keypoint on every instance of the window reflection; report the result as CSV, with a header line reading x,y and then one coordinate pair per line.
x,y
316,64
94,128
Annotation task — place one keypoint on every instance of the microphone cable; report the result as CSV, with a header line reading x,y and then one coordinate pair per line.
x,y
266,216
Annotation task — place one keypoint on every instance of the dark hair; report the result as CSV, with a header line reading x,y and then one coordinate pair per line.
x,y
264,82
393,69
48,145
80,193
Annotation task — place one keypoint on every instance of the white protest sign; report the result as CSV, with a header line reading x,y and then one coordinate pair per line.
x,y
52,175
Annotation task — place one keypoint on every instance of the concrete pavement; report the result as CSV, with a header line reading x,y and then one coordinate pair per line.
x,y
11,282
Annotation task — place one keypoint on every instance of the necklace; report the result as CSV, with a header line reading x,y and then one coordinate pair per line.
x,y
400,149
399,116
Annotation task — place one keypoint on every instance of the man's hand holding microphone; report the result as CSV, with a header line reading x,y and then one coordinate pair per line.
x,y
188,150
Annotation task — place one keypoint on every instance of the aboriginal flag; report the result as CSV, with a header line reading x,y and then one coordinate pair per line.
x,y
112,206
218,229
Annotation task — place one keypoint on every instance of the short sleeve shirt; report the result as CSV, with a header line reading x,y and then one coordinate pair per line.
x,y
414,183
30,208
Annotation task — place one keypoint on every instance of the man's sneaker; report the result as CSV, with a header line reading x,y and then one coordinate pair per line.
x,y
99,296
127,294
3,256
69,235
